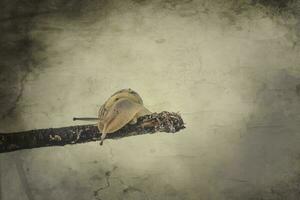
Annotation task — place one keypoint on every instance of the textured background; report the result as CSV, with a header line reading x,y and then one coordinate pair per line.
x,y
231,67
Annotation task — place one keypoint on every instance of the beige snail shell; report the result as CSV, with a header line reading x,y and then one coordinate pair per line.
x,y
123,107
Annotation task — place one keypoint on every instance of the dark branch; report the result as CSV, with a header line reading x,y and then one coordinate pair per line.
x,y
156,122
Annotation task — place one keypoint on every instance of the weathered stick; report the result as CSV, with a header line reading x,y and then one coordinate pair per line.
x,y
162,122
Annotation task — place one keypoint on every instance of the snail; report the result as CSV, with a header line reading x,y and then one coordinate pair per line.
x,y
123,107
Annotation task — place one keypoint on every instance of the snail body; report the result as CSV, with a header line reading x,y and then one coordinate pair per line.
x,y
123,107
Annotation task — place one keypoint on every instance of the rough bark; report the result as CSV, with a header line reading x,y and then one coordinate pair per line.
x,y
156,122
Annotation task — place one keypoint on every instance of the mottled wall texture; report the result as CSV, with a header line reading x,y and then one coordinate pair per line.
x,y
231,67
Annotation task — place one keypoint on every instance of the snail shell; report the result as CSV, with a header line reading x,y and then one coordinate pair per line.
x,y
123,107
125,93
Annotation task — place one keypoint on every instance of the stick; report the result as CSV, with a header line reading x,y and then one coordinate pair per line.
x,y
155,122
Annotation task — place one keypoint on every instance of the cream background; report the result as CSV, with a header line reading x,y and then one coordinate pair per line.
x,y
231,69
